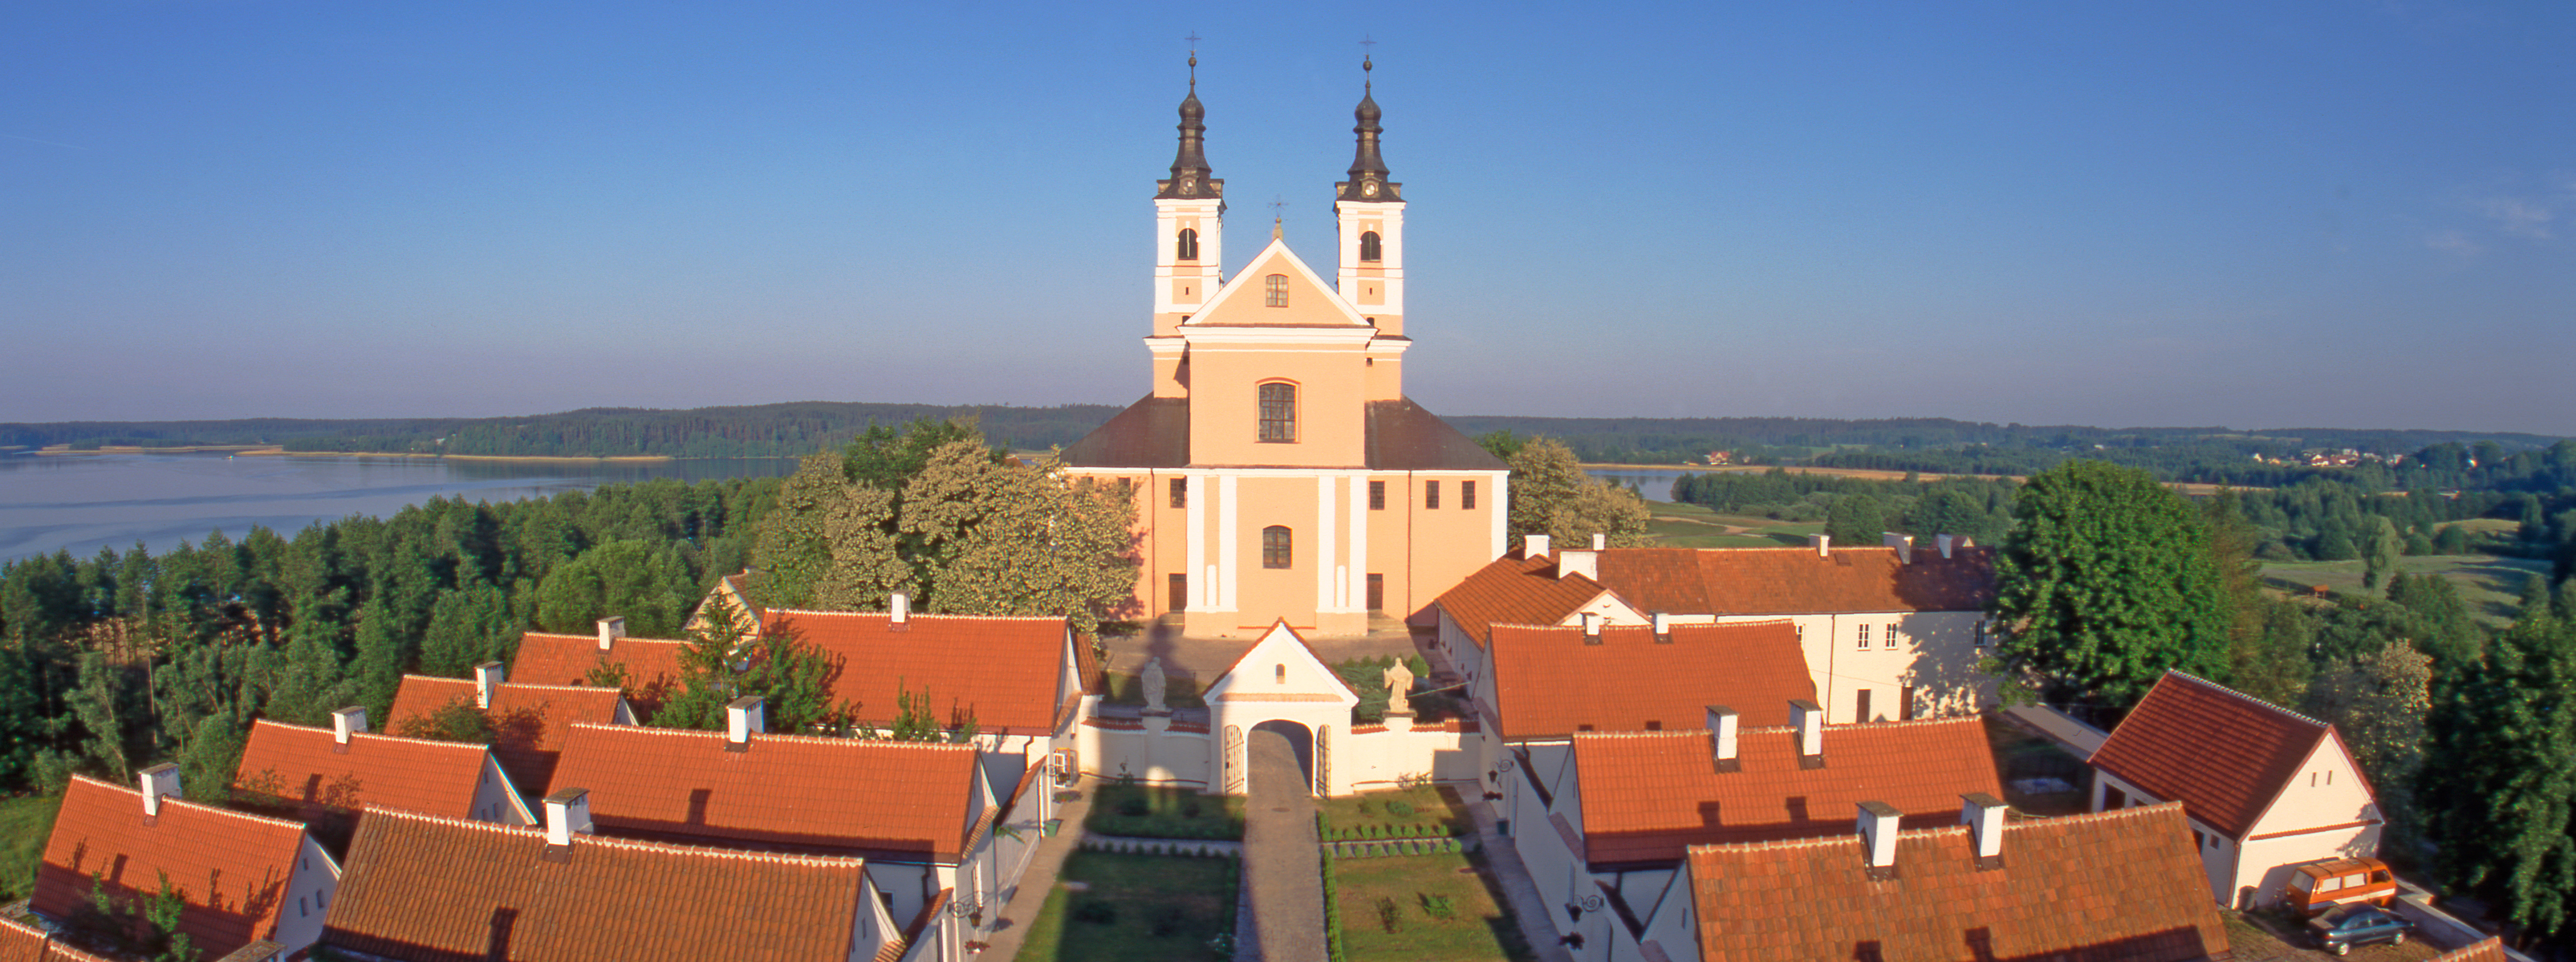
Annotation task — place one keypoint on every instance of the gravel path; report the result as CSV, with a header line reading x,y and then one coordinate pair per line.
x,y
1283,871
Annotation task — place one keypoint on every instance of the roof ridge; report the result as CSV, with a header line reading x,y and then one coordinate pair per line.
x,y
773,736
2257,702
427,742
2079,818
914,615
785,858
595,638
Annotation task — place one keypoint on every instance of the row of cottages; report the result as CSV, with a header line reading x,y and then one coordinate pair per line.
x,y
2266,788
1888,633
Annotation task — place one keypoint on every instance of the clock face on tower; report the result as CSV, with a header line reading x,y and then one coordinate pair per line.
x,y
1368,189
1189,185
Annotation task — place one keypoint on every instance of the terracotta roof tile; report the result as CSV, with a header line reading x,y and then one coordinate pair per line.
x,y
1647,796
20,942
2120,886
2489,949
1005,671
652,664
231,868
424,889
529,722
298,766
1549,683
1781,581
885,798
2223,754
1512,590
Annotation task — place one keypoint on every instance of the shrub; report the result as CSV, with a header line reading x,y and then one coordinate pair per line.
x,y
1399,808
1437,906
1134,806
1096,913
1388,916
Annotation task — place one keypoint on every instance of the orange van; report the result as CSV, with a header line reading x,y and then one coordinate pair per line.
x,y
2318,886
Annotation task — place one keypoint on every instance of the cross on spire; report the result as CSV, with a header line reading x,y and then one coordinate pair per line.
x,y
1193,38
1278,215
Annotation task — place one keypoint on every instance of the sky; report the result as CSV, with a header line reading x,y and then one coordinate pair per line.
x,y
2336,213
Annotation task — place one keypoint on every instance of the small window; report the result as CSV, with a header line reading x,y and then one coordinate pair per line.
x,y
1278,413
1275,551
1274,290
1891,636
1279,674
1467,495
1370,248
1864,636
1377,495
1431,494
299,900
1188,247
1180,492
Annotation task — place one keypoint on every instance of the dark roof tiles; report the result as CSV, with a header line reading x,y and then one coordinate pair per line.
x,y
231,868
2224,755
652,664
1512,590
529,722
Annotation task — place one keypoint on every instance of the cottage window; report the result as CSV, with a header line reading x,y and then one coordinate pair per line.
x,y
1377,495
1431,494
1188,247
1370,248
1274,290
1275,551
1891,636
1864,636
1467,495
1279,413
299,902
1180,492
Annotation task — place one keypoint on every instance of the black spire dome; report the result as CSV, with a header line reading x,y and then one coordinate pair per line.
x,y
1190,174
1368,171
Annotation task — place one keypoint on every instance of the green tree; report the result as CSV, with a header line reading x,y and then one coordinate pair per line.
x,y
2384,547
2379,702
1006,539
2105,581
2452,539
644,582
1501,444
829,543
2498,789
1856,519
793,680
1551,494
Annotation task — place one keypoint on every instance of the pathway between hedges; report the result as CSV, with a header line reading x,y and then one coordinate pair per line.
x,y
1283,868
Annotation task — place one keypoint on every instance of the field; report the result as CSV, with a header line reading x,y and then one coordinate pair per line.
x,y
1677,525
2491,586
1115,907
24,825
1422,907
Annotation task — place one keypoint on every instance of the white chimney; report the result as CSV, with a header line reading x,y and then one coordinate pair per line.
x,y
1984,816
1585,563
348,721
744,717
1878,836
1903,543
1809,718
487,676
898,611
610,629
1946,542
1722,723
1663,628
567,812
1533,546
1600,542
158,780
1822,542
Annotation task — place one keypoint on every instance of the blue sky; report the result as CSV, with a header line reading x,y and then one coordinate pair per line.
x,y
2189,213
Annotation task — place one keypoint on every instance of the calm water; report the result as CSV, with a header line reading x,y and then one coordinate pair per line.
x,y
85,502
1656,483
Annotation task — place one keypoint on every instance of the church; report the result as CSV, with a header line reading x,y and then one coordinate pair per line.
x,y
1281,473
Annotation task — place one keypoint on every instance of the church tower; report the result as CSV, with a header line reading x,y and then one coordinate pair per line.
x,y
1189,234
1370,211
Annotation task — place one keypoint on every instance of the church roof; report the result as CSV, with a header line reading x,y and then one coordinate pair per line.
x,y
1401,436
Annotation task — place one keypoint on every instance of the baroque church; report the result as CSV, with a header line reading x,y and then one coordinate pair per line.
x,y
1281,472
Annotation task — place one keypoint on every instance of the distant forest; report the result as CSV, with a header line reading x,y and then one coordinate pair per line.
x,y
1931,445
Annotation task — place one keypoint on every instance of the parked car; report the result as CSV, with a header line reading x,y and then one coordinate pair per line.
x,y
2318,886
2345,926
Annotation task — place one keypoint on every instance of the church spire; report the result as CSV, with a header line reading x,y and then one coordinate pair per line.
x,y
1368,171
1190,174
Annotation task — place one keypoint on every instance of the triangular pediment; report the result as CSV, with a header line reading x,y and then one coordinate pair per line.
x,y
1245,300
1281,664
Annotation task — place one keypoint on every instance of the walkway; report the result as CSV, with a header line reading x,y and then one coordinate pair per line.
x,y
1011,928
1283,868
1504,861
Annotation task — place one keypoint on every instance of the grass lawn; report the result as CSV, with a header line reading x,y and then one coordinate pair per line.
x,y
25,823
1135,907
1423,907
1142,811
2491,586
1412,811
1676,525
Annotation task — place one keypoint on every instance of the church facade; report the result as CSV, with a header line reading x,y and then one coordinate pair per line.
x,y
1280,471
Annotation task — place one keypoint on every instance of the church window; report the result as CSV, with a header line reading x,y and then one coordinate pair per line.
x,y
1274,290
1431,494
1377,495
1180,492
1467,495
1188,247
1275,551
1369,247
1279,413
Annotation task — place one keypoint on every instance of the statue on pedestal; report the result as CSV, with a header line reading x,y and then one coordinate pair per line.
x,y
1152,681
1399,689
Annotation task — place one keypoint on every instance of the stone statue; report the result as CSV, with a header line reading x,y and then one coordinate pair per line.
x,y
1153,683
1399,688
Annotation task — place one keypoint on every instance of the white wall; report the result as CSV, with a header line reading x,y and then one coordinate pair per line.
x,y
315,880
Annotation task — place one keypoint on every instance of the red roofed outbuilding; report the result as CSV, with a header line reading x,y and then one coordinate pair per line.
x,y
529,722
243,878
1017,677
326,776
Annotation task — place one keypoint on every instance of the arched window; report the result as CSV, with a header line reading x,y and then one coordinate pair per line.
x,y
1275,551
1274,290
1369,249
1188,247
1279,413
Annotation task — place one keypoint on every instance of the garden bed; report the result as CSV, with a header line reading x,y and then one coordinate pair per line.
x,y
1426,811
1144,811
1439,906
1115,908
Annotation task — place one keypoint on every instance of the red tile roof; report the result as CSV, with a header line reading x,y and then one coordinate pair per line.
x,y
424,889
1781,581
2223,754
231,868
1649,795
1549,683
1512,590
2122,886
20,942
891,799
652,664
529,722
1006,671
300,768
2489,949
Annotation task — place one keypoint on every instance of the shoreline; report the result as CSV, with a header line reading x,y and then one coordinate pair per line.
x,y
279,451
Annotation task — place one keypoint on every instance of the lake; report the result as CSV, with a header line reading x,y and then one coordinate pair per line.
x,y
1655,483
84,502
